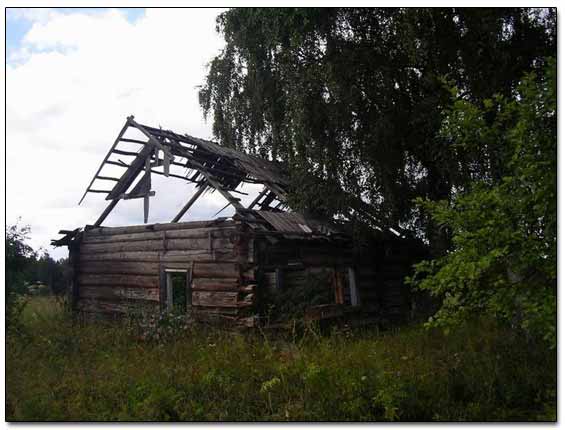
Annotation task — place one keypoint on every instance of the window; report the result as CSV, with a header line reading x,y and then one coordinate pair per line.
x,y
178,294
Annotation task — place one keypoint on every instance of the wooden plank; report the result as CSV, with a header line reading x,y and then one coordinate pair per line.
x,y
122,131
354,293
141,281
158,245
158,227
99,191
119,267
216,270
256,199
106,212
215,284
107,178
196,233
120,293
231,199
121,152
214,299
134,169
141,142
175,256
192,200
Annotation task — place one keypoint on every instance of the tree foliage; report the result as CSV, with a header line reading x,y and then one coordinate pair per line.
x,y
19,258
25,266
504,255
353,98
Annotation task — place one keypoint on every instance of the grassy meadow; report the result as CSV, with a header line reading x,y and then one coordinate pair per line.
x,y
58,370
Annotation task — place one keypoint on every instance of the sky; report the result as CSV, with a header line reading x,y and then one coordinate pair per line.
x,y
72,78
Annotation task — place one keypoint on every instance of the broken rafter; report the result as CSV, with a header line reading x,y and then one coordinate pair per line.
x,y
106,212
259,196
100,191
213,166
129,175
107,178
119,151
157,144
124,128
233,200
118,163
193,199
221,210
141,142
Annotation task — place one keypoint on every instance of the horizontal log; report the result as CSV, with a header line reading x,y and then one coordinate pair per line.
x,y
159,245
214,299
141,281
195,233
248,288
119,293
179,256
215,284
215,270
119,267
158,227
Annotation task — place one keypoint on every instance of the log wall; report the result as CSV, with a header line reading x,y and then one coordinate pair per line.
x,y
122,269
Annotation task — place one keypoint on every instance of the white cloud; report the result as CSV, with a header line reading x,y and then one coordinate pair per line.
x,y
79,76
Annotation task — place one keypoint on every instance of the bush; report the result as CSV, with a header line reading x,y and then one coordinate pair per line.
x,y
503,261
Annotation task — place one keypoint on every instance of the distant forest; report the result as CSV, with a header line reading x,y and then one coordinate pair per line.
x,y
30,271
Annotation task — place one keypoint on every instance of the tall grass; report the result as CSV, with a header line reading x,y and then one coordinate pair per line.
x,y
60,370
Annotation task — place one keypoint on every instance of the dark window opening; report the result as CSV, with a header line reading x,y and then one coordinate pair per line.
x,y
177,291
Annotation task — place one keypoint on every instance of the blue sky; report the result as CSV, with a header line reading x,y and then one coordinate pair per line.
x,y
18,22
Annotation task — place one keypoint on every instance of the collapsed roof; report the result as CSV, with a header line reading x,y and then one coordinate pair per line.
x,y
210,167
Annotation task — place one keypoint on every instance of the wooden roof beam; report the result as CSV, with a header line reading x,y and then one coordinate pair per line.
x,y
192,200
259,197
124,128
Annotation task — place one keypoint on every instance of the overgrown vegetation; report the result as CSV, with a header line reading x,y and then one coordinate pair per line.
x,y
66,371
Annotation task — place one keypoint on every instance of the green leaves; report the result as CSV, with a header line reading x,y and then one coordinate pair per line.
x,y
503,260
361,97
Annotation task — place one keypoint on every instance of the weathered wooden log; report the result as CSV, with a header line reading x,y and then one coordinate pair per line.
x,y
195,233
159,245
215,270
141,281
214,299
119,267
247,288
158,227
155,256
215,284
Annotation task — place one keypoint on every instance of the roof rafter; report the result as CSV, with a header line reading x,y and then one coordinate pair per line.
x,y
209,164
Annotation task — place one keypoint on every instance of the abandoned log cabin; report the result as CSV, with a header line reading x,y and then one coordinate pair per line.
x,y
264,262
